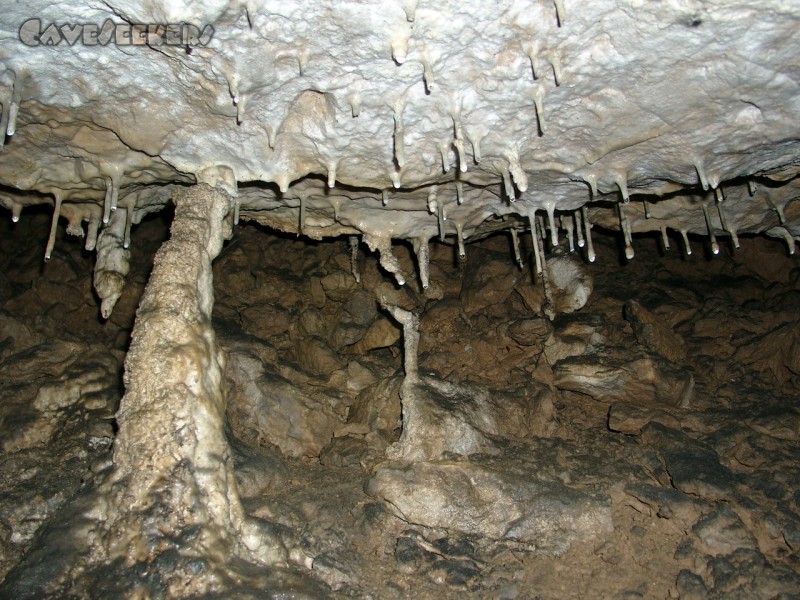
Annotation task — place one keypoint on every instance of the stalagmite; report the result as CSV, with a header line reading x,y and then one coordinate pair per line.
x,y
111,265
51,240
462,253
515,245
534,238
751,187
579,228
183,486
665,238
353,240
726,227
588,228
626,232
687,247
422,250
711,236
128,222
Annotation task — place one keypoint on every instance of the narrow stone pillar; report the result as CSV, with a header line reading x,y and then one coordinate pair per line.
x,y
173,486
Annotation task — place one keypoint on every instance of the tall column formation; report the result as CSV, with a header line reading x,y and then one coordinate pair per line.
x,y
173,487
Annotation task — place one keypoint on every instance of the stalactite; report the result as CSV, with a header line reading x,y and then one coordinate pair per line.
x,y
711,236
534,236
726,227
353,240
462,253
422,250
579,228
128,223
687,247
626,232
588,228
51,240
515,246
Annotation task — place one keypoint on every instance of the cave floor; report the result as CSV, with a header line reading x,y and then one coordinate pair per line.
x,y
645,446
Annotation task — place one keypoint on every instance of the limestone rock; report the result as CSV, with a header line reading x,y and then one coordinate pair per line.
x,y
654,333
647,379
630,419
476,499
570,282
266,409
694,467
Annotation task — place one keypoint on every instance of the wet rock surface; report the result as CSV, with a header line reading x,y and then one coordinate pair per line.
x,y
609,488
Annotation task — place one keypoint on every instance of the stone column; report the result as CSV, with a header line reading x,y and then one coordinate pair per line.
x,y
173,487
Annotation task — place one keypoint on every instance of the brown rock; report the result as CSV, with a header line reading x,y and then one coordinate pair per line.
x,y
612,377
654,333
530,332
381,334
316,357
630,419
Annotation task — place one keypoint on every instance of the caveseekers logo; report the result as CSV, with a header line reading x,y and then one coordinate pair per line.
x,y
32,33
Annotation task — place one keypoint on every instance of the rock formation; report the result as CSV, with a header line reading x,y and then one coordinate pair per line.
x,y
471,151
